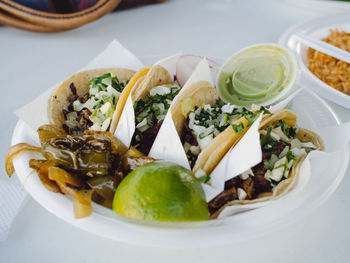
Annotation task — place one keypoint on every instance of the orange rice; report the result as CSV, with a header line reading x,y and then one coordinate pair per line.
x,y
334,72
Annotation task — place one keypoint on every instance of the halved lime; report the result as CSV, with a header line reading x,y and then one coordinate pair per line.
x,y
161,191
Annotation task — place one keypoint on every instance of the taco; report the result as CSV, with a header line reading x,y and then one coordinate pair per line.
x,y
284,147
207,126
88,99
152,97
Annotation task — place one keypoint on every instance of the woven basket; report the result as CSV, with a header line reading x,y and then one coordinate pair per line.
x,y
22,17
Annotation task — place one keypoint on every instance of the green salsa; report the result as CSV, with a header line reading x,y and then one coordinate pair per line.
x,y
256,75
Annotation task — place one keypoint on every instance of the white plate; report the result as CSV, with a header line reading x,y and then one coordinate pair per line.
x,y
317,28
322,5
313,113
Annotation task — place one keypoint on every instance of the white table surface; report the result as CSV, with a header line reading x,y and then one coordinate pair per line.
x,y
30,63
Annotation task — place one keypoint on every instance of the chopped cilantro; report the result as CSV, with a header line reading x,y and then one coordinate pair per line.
x,y
238,128
204,178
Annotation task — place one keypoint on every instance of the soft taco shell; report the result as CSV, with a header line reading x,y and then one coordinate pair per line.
x,y
156,76
199,94
59,98
286,185
134,81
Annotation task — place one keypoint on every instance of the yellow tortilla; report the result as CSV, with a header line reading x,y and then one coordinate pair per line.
x,y
200,94
156,76
124,96
59,99
286,185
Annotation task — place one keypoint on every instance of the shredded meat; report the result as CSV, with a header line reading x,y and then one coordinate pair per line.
x,y
253,186
276,149
83,119
187,136
147,140
221,199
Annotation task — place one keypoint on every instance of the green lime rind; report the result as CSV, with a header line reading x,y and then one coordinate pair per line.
x,y
161,191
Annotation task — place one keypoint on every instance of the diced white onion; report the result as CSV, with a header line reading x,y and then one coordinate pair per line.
x,y
199,173
102,94
113,91
267,175
227,108
105,124
284,152
107,81
195,149
295,143
275,136
159,90
277,174
297,152
308,145
105,107
191,118
280,162
246,174
280,133
203,143
241,194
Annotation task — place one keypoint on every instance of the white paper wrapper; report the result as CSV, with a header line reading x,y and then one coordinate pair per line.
x,y
244,155
172,150
115,55
126,126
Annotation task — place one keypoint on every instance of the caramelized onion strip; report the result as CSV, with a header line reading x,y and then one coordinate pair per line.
x,y
59,175
82,203
13,151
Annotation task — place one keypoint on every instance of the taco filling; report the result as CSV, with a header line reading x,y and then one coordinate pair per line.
x,y
281,148
206,122
93,110
149,115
